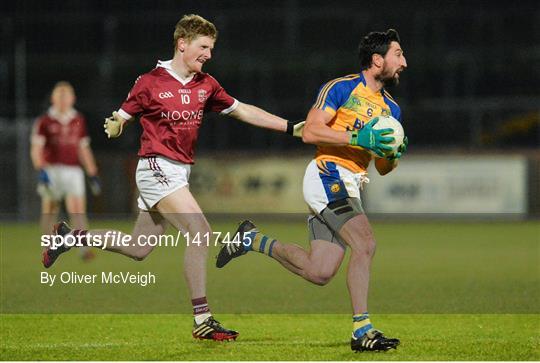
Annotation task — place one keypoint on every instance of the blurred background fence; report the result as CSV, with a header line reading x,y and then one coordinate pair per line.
x,y
472,87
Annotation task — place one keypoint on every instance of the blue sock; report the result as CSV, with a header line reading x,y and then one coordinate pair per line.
x,y
247,241
361,324
258,242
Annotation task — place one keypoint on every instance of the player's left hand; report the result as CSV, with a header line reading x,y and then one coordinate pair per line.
x,y
372,139
400,151
295,128
95,185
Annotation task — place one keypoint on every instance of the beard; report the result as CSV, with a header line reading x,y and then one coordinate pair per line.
x,y
388,79
391,81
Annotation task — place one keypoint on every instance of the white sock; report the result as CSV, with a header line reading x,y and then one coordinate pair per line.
x,y
201,317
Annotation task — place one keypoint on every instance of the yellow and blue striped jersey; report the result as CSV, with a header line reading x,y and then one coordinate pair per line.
x,y
352,104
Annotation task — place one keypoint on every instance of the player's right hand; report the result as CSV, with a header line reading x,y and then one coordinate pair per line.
x,y
43,177
114,125
44,184
369,138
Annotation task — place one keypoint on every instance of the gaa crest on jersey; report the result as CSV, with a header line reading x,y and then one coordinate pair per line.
x,y
167,94
202,95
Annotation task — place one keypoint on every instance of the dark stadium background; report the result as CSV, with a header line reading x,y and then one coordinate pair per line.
x,y
472,86
457,270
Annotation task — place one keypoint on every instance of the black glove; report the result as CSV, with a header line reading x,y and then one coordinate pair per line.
x,y
95,185
295,128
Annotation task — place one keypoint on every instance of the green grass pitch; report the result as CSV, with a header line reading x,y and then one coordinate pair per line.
x,y
448,290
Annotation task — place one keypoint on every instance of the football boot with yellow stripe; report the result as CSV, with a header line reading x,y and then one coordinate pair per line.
x,y
373,340
211,329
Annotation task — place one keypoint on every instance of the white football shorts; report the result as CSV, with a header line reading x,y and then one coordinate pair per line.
x,y
157,177
64,180
326,182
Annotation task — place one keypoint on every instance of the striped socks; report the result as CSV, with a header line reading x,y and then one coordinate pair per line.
x,y
361,324
201,311
258,242
81,235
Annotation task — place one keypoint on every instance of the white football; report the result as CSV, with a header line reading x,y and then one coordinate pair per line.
x,y
388,122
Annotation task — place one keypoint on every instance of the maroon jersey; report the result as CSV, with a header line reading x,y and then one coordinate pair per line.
x,y
171,110
61,136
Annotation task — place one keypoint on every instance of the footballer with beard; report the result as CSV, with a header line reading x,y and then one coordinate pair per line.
x,y
341,124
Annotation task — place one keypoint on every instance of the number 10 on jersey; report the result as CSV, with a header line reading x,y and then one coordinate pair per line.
x,y
185,99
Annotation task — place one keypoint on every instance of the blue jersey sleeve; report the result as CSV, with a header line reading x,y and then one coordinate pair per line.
x,y
395,110
396,113
335,93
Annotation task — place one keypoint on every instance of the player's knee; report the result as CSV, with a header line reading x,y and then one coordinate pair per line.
x,y
371,246
321,277
320,280
364,247
141,254
138,257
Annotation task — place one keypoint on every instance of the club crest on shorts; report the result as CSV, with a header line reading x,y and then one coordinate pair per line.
x,y
202,95
161,177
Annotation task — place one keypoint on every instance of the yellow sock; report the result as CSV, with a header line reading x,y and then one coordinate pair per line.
x,y
262,243
361,324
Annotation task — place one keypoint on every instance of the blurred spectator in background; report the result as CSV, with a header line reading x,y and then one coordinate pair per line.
x,y
59,146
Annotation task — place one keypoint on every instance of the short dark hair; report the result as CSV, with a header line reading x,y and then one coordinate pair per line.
x,y
375,43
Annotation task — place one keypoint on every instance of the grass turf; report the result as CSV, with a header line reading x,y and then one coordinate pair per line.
x,y
266,337
449,291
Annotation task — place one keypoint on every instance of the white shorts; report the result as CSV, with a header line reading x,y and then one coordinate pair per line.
x,y
64,180
157,177
326,182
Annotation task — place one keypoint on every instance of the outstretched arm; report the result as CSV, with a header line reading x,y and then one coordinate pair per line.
x,y
258,117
